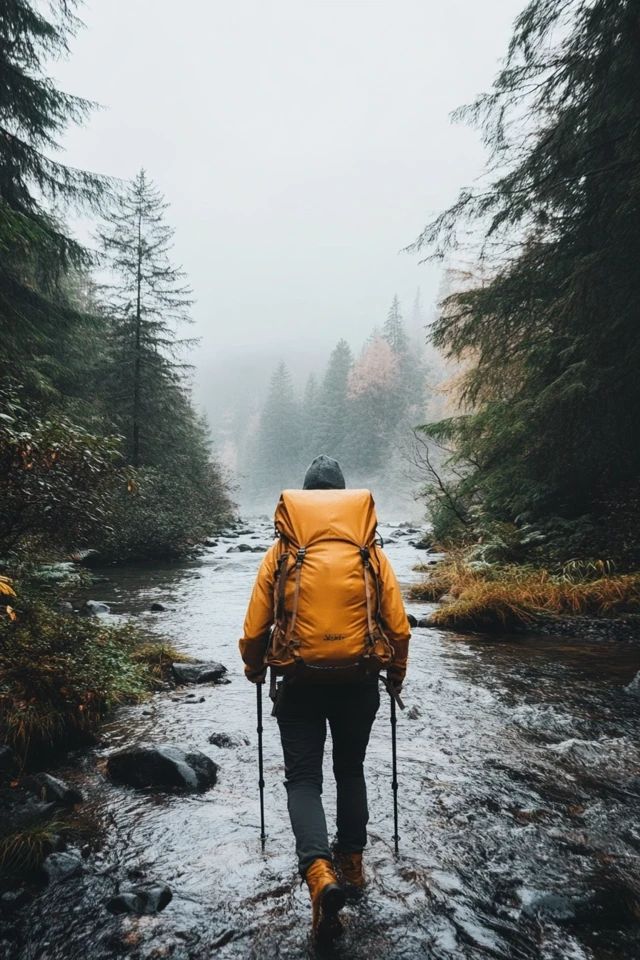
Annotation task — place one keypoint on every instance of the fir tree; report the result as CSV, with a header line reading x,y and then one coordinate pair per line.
x,y
278,463
36,251
146,302
335,422
551,324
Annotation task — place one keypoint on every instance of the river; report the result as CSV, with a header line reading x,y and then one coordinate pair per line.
x,y
519,795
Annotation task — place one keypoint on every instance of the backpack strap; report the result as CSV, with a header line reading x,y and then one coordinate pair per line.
x,y
300,555
368,573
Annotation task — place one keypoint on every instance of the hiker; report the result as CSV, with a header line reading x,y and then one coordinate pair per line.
x,y
326,615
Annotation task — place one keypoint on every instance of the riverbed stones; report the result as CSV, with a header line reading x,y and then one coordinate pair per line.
x,y
7,760
163,767
245,548
199,672
94,608
227,741
61,866
53,790
141,899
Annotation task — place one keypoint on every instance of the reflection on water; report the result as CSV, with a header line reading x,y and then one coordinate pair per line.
x,y
519,793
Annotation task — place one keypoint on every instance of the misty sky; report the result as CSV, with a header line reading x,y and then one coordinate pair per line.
x,y
301,144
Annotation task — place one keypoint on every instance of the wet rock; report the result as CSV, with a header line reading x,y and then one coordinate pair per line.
x,y
12,900
141,899
7,759
65,607
95,607
634,687
424,622
245,548
227,741
413,713
210,543
163,767
424,544
157,607
53,790
61,866
413,622
199,672
553,905
88,557
190,699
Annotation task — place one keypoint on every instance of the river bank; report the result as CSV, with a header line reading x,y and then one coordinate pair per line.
x,y
519,776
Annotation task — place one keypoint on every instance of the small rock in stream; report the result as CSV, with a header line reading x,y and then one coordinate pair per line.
x,y
413,621
95,607
53,790
7,759
226,741
163,767
634,687
61,866
65,607
245,548
141,899
424,622
199,672
190,699
157,607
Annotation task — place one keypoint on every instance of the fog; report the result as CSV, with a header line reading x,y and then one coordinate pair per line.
x,y
301,146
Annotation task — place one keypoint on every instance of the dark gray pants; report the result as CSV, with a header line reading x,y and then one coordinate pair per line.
x,y
303,710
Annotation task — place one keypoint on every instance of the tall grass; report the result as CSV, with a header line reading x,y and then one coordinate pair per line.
x,y
489,596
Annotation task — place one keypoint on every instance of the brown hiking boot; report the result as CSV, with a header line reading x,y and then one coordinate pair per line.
x,y
349,867
327,899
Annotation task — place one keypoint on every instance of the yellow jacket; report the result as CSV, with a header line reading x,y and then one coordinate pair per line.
x,y
260,617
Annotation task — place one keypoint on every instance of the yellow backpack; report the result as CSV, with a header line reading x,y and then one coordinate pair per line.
x,y
327,591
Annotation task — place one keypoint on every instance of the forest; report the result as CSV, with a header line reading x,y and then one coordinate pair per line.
x,y
507,417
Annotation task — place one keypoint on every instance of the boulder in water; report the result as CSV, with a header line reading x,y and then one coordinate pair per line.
x,y
61,866
157,607
199,672
141,899
95,607
227,741
413,622
52,790
163,767
634,687
65,607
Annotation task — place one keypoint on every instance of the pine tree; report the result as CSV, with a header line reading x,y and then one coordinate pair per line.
x,y
278,462
552,323
393,330
335,422
146,301
36,250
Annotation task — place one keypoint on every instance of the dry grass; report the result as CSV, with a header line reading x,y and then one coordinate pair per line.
x,y
23,851
483,596
158,657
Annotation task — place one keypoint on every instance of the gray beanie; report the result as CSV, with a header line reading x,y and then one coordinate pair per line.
x,y
324,473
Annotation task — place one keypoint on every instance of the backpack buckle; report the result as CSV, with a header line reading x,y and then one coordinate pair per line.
x,y
300,555
364,553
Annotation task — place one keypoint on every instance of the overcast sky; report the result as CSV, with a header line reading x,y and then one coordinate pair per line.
x,y
301,144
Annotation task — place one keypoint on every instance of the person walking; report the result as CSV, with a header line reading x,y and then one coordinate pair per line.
x,y
326,615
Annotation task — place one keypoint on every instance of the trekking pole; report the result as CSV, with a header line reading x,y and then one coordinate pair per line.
x,y
394,698
394,773
263,835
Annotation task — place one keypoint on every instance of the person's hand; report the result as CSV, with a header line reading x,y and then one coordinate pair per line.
x,y
256,676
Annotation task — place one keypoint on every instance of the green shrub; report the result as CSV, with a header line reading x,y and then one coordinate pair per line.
x,y
59,675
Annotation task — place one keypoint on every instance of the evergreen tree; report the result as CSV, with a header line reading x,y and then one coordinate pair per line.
x,y
393,330
311,418
279,462
335,422
36,251
552,327
146,302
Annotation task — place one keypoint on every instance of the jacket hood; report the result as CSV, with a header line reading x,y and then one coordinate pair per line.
x,y
324,473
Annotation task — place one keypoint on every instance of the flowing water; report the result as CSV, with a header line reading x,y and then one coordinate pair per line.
x,y
519,800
